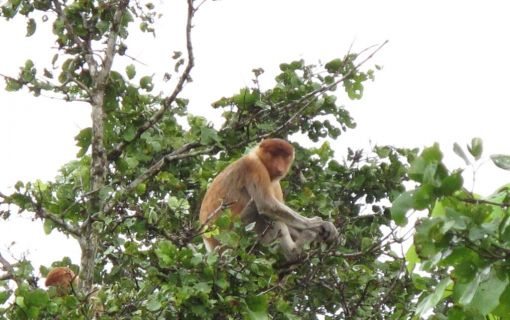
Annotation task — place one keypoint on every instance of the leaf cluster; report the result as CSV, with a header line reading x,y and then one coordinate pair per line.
x,y
462,244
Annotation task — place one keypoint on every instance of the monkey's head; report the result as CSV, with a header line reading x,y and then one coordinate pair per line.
x,y
277,156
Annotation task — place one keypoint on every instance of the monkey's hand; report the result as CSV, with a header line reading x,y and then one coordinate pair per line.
x,y
327,232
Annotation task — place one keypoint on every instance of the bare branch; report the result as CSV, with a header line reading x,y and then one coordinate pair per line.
x,y
503,205
6,266
6,276
167,102
59,221
111,44
9,269
42,213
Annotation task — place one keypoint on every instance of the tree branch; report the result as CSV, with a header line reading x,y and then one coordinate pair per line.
x,y
69,27
181,153
167,102
4,197
59,221
503,205
111,43
9,269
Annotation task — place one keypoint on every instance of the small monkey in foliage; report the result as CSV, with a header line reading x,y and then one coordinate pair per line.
x,y
250,187
66,282
63,279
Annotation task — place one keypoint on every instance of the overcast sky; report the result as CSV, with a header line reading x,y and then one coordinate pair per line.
x,y
444,79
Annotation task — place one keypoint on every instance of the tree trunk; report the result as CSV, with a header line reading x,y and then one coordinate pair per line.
x,y
89,240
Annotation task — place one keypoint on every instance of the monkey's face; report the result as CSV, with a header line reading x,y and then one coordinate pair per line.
x,y
278,166
277,156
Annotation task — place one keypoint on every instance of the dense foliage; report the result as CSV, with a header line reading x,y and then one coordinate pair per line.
x,y
132,195
463,244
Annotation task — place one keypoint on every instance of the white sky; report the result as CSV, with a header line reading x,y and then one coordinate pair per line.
x,y
445,79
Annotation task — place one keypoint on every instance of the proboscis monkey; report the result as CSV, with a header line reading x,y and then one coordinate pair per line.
x,y
63,279
65,282
250,187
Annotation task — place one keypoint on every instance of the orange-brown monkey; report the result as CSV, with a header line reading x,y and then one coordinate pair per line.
x,y
251,188
63,279
66,282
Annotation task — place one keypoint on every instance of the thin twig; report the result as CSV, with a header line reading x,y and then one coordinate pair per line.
x,y
503,205
212,216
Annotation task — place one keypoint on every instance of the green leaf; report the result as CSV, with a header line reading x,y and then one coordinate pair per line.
x,y
83,140
432,154
428,235
37,298
31,26
476,148
166,252
146,83
209,135
334,66
131,162
470,290
129,134
20,301
141,188
488,293
127,17
202,287
501,161
102,26
4,295
257,307
154,304
48,226
71,302
432,299
460,152
130,71
452,183
178,204
423,197
503,309
29,64
229,238
411,258
401,205
12,85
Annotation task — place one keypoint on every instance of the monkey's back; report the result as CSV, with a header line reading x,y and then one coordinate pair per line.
x,y
227,189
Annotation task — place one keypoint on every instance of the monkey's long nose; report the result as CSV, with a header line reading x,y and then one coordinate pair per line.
x,y
279,172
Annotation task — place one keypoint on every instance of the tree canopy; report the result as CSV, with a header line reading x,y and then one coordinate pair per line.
x,y
132,195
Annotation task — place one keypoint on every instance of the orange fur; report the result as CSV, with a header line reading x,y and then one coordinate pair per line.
x,y
61,278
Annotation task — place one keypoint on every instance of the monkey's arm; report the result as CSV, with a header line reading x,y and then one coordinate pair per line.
x,y
267,204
